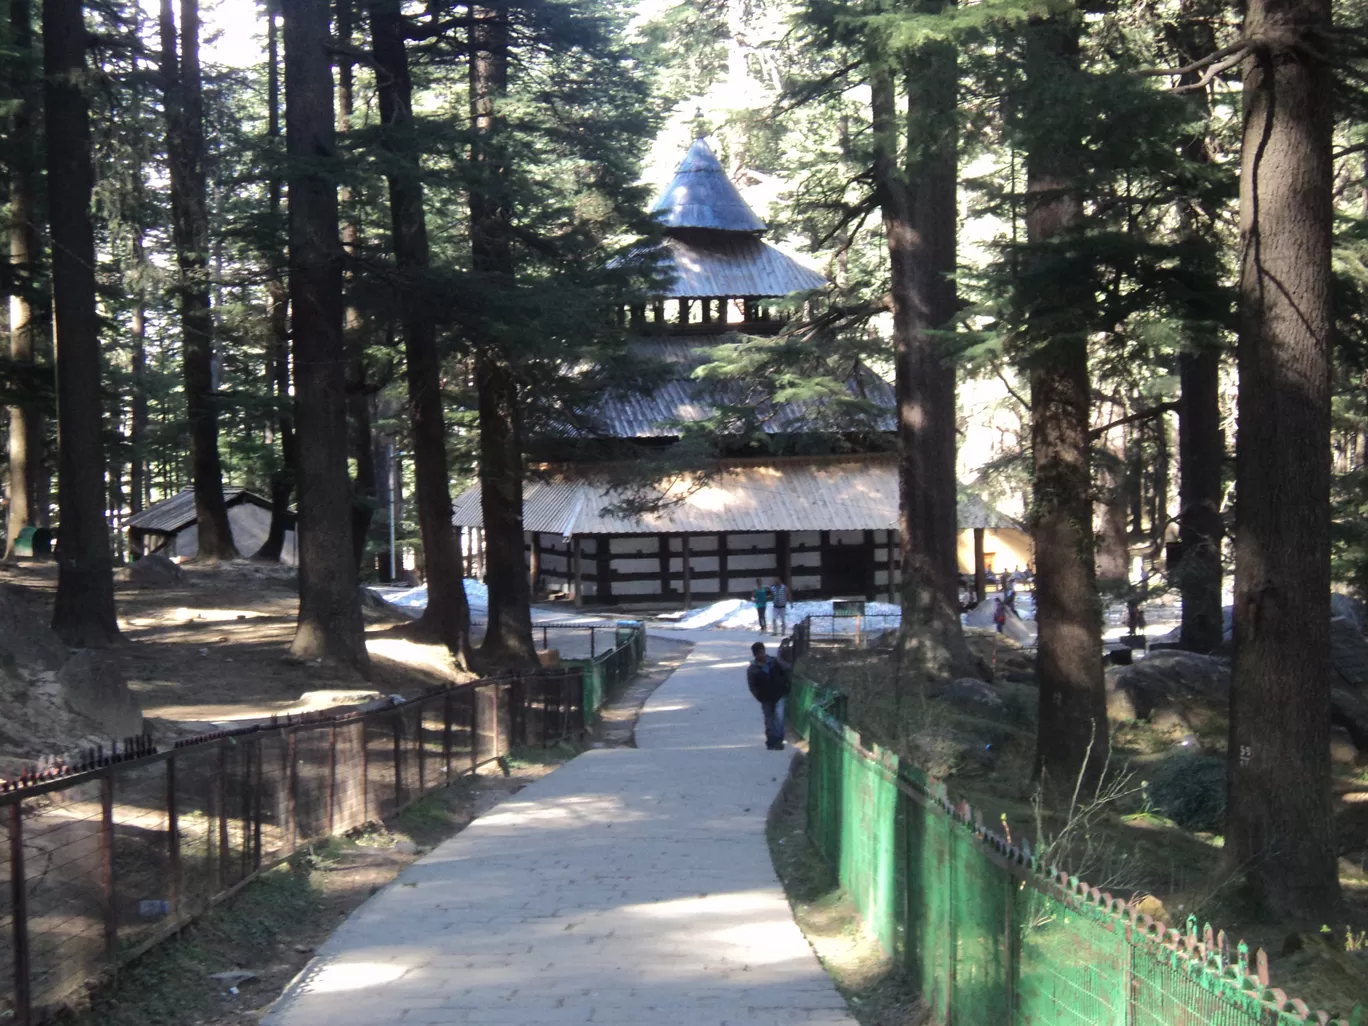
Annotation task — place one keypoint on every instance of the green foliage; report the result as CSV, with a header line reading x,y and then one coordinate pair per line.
x,y
1190,789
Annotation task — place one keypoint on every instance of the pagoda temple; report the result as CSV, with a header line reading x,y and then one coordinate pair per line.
x,y
826,525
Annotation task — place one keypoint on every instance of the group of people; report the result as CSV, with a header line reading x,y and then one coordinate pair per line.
x,y
776,594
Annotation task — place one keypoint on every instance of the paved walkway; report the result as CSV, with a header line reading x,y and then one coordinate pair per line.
x,y
630,887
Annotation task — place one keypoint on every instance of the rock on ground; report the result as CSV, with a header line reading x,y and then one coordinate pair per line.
x,y
95,690
155,571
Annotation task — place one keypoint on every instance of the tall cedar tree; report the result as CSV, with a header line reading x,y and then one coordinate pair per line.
x,y
1201,443
1072,733
277,318
25,434
84,611
508,640
919,208
1279,827
447,615
330,625
361,448
184,101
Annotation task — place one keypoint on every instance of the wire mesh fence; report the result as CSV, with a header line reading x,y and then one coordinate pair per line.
x,y
100,860
988,933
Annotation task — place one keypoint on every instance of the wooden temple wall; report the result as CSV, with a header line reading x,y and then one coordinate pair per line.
x,y
612,569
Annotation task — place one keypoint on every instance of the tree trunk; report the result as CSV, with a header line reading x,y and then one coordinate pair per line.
x,y
1279,827
330,625
137,429
83,614
1201,458
353,323
1109,466
447,615
278,313
1201,443
184,99
919,209
1072,733
25,438
508,640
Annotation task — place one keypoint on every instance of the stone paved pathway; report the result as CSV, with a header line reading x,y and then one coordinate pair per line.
x,y
633,886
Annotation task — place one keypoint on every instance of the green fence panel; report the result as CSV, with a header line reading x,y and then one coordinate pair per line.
x,y
979,899
982,930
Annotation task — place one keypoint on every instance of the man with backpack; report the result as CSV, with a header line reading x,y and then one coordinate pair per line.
x,y
769,681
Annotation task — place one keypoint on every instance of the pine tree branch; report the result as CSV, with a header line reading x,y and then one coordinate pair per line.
x,y
1147,414
1223,53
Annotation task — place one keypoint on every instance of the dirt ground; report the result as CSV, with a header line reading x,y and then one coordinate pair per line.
x,y
212,649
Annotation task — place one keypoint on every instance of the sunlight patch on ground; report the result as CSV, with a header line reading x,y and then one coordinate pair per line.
x,y
345,976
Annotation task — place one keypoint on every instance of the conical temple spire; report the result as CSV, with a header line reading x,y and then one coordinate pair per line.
x,y
702,196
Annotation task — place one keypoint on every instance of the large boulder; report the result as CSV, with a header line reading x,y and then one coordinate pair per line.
x,y
1178,690
155,571
94,689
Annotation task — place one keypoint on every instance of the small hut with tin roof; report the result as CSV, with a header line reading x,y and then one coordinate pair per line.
x,y
826,525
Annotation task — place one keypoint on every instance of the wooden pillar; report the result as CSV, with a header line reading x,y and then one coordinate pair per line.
x,y
980,568
663,549
722,565
603,569
658,309
688,589
891,543
823,560
871,585
684,307
707,311
576,558
783,542
534,563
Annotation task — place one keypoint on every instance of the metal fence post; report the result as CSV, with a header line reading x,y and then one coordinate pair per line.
x,y
398,760
291,822
446,734
257,803
420,748
19,913
365,772
173,859
332,777
111,918
221,796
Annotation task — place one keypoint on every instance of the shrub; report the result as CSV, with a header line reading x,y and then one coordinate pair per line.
x,y
1190,789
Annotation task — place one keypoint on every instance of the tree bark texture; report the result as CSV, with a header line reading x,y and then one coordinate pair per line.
x,y
1113,549
1279,827
508,640
278,316
1072,734
1201,442
919,210
184,100
447,615
83,614
330,625
25,437
137,428
1201,460
353,323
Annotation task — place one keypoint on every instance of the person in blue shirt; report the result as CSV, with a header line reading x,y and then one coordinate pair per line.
x,y
769,680
761,599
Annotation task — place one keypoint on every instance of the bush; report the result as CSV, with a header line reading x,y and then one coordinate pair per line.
x,y
1190,789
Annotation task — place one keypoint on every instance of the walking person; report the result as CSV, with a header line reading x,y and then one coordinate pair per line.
x,y
780,594
761,599
769,681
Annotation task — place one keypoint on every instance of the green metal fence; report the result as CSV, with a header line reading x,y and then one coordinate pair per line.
x,y
990,935
604,671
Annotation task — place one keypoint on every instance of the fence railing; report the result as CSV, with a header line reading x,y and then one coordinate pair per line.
x,y
101,860
605,671
985,930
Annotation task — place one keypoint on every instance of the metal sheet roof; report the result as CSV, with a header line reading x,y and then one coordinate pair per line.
x,y
178,512
702,196
684,400
858,493
704,264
